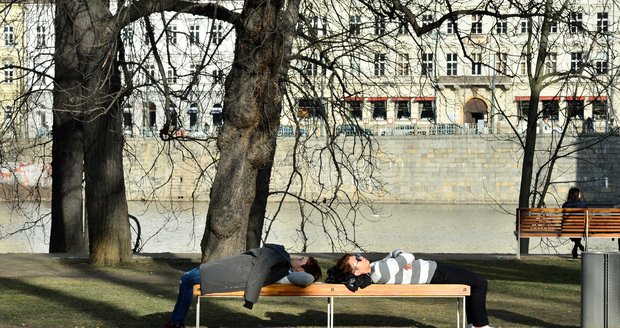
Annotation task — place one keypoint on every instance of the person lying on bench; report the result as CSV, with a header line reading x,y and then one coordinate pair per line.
x,y
400,267
249,271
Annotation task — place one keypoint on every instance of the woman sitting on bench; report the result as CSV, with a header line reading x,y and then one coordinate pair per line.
x,y
400,267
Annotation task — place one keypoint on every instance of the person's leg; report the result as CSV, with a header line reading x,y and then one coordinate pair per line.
x,y
184,300
475,304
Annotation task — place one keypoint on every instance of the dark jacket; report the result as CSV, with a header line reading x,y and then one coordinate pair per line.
x,y
575,204
249,271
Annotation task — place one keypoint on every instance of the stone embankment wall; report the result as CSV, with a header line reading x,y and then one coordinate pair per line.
x,y
465,169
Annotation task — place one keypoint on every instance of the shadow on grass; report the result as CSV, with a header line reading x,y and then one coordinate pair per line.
x,y
520,319
218,316
555,272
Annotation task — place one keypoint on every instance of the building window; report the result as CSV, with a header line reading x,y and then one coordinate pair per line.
x,y
217,32
355,65
476,65
551,63
575,22
553,27
602,22
149,74
599,110
9,73
312,67
427,109
379,64
172,76
403,112
451,68
217,117
451,27
218,76
9,36
152,123
41,36
307,108
501,26
194,34
403,26
402,64
575,108
193,116
551,109
501,62
600,64
378,110
523,107
355,109
525,25
379,25
355,25
427,64
8,116
522,66
476,24
575,61
318,25
427,20
127,118
172,34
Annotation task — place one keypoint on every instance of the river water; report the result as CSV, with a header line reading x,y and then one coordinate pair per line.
x,y
177,228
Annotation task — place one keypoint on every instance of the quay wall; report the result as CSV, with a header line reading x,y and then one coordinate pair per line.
x,y
452,169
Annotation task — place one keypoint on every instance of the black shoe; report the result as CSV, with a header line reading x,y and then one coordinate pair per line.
x,y
575,252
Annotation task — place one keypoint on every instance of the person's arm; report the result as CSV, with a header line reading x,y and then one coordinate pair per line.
x,y
385,271
301,279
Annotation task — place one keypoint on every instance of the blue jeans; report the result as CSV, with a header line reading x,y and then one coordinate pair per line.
x,y
184,300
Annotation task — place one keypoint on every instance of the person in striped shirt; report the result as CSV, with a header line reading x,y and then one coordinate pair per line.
x,y
400,267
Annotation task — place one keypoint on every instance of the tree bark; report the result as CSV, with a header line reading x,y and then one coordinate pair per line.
x,y
88,86
252,107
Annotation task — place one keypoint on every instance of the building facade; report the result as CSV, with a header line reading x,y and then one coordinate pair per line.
x,y
473,74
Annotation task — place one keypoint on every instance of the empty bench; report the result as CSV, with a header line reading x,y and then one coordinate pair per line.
x,y
331,291
568,223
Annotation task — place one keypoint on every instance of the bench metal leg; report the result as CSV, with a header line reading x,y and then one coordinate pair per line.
x,y
198,312
461,321
330,312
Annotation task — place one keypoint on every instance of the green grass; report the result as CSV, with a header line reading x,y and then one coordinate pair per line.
x,y
533,292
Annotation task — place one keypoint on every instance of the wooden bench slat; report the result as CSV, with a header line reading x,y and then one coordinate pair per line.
x,y
339,290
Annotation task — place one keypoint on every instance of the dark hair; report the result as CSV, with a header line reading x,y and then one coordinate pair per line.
x,y
573,194
312,267
342,273
343,264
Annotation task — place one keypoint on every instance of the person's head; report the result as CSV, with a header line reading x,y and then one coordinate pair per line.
x,y
355,264
307,264
574,194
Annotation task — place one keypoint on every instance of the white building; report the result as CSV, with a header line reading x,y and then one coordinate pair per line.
x,y
468,76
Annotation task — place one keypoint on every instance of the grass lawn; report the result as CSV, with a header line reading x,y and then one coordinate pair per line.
x,y
532,292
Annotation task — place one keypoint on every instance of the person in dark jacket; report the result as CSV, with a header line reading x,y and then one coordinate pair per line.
x,y
249,272
575,200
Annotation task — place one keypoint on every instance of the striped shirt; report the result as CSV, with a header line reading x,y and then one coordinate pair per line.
x,y
391,269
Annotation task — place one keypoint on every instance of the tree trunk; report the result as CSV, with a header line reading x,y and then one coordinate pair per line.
x,y
88,84
68,233
252,107
259,207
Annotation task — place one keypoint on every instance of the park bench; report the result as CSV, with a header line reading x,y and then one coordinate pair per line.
x,y
331,291
567,223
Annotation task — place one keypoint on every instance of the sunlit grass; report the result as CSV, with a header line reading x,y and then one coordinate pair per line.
x,y
528,293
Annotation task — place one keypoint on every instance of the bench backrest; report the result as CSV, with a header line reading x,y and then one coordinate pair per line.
x,y
339,290
568,222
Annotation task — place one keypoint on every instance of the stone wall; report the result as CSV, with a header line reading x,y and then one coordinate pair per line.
x,y
470,169
463,169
